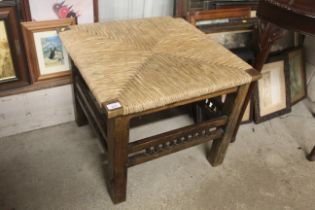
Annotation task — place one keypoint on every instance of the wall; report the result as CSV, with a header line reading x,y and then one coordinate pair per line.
x,y
33,110
126,9
38,109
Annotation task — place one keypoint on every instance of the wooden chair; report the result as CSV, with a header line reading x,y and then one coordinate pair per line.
x,y
297,15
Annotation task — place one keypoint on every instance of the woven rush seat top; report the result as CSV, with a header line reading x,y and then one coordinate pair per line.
x,y
149,63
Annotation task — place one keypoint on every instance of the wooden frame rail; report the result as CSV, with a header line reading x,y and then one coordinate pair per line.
x,y
174,141
113,131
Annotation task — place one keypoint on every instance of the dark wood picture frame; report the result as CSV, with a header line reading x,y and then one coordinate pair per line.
x,y
9,14
27,16
230,22
29,28
296,62
182,7
194,16
258,117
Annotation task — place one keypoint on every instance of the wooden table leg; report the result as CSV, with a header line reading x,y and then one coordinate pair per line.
x,y
311,156
219,146
116,176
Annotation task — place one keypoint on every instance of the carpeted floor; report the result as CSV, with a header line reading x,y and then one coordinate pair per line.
x,y
61,168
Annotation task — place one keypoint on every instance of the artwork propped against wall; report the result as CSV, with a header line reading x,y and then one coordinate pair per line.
x,y
85,11
7,71
297,74
13,71
48,60
272,95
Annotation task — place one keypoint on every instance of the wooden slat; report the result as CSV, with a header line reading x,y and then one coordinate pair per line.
x,y
144,157
164,137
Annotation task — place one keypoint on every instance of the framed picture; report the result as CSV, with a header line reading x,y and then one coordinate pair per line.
x,y
181,7
13,73
218,17
272,97
47,58
287,41
231,27
233,39
297,74
85,11
7,70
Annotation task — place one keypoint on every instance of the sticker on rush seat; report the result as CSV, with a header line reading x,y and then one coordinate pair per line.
x,y
112,106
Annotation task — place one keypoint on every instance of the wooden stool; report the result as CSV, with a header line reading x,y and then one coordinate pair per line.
x,y
127,69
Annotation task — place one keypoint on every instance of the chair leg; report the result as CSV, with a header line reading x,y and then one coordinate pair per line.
x,y
268,34
311,156
219,146
116,177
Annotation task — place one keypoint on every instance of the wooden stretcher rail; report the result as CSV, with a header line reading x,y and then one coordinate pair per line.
x,y
173,145
176,134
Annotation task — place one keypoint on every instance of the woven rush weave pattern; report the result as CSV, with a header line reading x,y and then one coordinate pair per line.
x,y
149,63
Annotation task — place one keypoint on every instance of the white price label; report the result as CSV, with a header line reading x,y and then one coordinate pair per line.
x,y
112,106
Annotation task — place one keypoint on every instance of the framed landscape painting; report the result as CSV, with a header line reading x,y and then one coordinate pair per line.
x,y
13,71
47,58
51,55
272,97
7,70
297,74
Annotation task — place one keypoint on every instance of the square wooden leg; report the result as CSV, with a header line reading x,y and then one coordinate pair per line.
x,y
219,146
116,177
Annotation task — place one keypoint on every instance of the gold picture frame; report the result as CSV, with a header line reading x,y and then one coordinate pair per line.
x,y
7,69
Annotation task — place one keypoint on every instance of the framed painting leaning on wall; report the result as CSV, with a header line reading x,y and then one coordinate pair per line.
x,y
297,74
272,95
47,58
7,71
13,73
